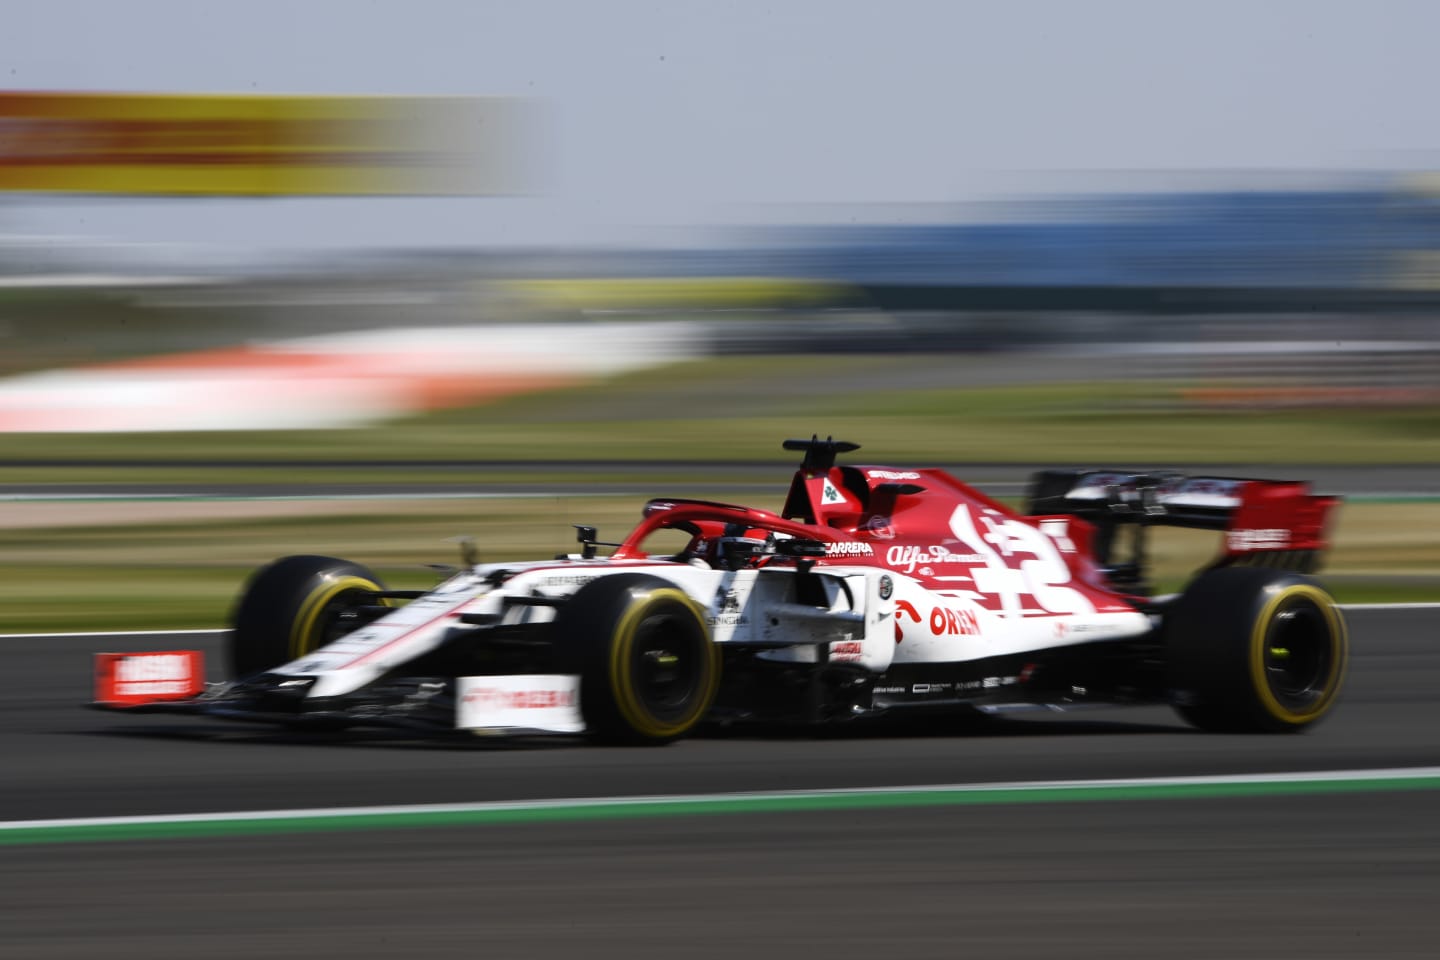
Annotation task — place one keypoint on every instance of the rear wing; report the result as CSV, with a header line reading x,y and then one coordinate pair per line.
x,y
1275,523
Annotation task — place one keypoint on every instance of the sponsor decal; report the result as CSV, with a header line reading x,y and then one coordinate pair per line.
x,y
142,677
912,556
567,580
887,588
532,702
847,650
153,668
726,601
727,610
496,698
154,688
879,527
849,549
1210,486
985,683
828,493
1094,486
892,474
1192,491
903,609
1273,539
947,622
1203,492
943,621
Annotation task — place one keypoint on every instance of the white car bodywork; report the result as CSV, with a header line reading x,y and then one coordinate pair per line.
x,y
875,617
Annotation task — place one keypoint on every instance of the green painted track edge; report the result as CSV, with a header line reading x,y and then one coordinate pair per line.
x,y
582,811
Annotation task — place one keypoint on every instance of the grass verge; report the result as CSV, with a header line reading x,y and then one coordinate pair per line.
x,y
77,574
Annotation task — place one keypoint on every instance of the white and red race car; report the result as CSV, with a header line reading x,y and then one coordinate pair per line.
x,y
874,590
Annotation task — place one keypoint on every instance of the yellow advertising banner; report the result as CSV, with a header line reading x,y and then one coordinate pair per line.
x,y
256,145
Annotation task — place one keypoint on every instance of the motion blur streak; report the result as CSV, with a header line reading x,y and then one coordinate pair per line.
x,y
253,145
334,380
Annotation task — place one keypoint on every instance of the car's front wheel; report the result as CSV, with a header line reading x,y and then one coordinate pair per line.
x,y
295,605
648,667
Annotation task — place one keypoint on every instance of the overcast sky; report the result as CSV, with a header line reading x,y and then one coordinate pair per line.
x,y
681,113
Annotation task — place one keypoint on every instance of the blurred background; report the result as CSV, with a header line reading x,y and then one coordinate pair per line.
x,y
329,250
360,277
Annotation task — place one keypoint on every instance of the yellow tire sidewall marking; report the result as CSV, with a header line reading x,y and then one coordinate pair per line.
x,y
623,646
1340,650
303,626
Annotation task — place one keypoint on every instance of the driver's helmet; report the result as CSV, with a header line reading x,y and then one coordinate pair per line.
x,y
734,549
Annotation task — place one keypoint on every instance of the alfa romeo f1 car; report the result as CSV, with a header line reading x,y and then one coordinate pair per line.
x,y
874,590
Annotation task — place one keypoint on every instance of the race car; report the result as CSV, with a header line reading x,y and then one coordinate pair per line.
x,y
875,590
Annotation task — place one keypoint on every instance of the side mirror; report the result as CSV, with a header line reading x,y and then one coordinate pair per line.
x,y
585,535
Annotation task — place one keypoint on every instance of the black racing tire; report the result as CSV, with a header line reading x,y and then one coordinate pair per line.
x,y
649,669
1253,650
293,606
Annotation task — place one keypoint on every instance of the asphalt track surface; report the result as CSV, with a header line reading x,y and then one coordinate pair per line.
x,y
1312,874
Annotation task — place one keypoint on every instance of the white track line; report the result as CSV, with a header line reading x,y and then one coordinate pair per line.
x,y
1390,606
204,631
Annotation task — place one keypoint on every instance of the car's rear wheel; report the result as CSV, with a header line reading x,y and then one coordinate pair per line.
x,y
648,667
295,605
1255,650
